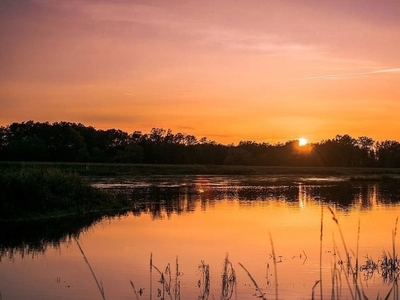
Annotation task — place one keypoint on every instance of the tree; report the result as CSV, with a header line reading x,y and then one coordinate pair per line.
x,y
238,156
367,154
132,153
388,154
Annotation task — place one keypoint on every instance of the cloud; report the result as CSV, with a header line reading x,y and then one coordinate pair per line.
x,y
344,75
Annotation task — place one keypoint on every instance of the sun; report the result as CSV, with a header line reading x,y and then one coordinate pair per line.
x,y
302,141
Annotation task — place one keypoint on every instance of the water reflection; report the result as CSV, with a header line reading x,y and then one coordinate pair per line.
x,y
204,219
163,201
33,238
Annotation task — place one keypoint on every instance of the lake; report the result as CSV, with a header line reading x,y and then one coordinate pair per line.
x,y
213,237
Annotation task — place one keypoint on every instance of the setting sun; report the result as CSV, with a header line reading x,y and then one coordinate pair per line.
x,y
302,141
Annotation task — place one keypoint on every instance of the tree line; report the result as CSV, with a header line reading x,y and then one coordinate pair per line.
x,y
72,142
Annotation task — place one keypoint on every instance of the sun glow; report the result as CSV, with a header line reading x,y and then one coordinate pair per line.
x,y
303,141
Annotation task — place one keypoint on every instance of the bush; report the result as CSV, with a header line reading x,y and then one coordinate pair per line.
x,y
34,193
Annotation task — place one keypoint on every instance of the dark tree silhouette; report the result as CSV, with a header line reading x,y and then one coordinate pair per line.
x,y
71,142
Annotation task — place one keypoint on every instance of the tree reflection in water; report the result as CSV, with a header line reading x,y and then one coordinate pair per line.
x,y
30,238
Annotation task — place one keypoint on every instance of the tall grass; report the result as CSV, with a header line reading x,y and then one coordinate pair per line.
x,y
31,193
261,294
389,265
228,279
99,284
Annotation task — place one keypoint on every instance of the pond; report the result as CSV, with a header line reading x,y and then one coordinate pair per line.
x,y
213,237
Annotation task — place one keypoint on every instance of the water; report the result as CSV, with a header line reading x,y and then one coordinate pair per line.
x,y
192,224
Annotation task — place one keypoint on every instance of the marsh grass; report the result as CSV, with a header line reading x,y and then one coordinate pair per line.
x,y
204,281
389,266
134,290
320,255
31,193
228,279
99,284
261,294
169,287
116,169
375,178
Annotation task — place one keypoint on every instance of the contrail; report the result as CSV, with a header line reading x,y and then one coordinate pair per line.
x,y
343,75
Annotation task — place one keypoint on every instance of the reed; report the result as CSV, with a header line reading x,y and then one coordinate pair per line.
x,y
260,292
320,253
99,284
275,266
134,290
177,286
389,266
357,292
228,279
151,275
313,289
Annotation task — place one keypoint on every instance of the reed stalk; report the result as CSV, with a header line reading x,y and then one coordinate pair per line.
x,y
134,290
262,295
313,289
204,281
177,289
151,276
275,266
99,284
162,281
394,233
320,253
357,266
357,290
228,279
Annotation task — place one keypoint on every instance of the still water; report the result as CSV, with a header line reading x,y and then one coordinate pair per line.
x,y
213,238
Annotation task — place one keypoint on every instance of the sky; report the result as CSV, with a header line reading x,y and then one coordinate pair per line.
x,y
259,70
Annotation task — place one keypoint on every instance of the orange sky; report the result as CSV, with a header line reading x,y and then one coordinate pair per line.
x,y
267,71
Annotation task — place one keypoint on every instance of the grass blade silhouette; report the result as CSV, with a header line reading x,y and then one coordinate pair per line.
x,y
275,266
320,254
262,295
99,284
134,290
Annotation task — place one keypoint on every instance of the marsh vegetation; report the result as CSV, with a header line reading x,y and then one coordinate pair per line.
x,y
34,193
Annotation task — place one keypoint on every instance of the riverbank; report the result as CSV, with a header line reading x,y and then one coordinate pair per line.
x,y
36,193
113,169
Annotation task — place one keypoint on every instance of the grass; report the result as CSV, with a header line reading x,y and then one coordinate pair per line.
x,y
375,178
389,266
99,284
114,169
35,193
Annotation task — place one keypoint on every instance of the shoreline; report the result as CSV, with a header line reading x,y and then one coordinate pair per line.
x,y
116,169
